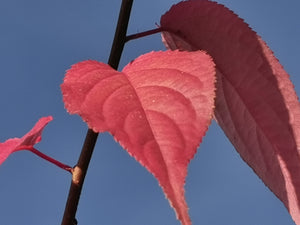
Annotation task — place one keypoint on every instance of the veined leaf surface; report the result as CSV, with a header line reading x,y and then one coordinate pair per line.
x,y
256,104
158,108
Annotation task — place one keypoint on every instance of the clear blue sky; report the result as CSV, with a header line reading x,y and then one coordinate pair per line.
x,y
39,40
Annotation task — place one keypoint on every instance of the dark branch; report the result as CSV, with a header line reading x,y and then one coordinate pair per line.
x,y
80,169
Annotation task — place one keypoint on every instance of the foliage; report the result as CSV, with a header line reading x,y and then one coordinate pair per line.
x,y
160,106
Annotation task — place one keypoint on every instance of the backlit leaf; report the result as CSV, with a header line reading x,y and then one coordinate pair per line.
x,y
26,142
158,108
256,104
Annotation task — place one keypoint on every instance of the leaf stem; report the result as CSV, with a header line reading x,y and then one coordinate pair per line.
x,y
80,169
51,160
144,34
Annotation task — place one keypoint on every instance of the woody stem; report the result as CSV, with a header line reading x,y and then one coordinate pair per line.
x,y
81,167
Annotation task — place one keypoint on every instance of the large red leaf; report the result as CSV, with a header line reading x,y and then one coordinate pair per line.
x,y
26,142
158,109
256,104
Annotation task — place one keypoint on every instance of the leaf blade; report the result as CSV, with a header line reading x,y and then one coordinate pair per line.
x,y
157,110
33,137
256,104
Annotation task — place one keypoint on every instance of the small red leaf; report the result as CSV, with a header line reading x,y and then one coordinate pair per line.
x,y
158,108
26,142
256,104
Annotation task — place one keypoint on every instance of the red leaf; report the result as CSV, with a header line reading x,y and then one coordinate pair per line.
x,y
26,142
158,108
256,104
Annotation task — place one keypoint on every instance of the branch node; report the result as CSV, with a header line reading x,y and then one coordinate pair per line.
x,y
77,175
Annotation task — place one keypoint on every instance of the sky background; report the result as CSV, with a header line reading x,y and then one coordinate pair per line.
x,y
39,41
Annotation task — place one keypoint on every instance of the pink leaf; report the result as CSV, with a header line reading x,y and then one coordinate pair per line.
x,y
26,142
158,108
256,104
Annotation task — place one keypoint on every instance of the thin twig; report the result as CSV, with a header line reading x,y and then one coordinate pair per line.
x,y
80,169
120,34
78,176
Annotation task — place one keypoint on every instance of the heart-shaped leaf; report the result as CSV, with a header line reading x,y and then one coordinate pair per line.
x,y
158,108
256,104
26,142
